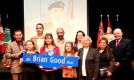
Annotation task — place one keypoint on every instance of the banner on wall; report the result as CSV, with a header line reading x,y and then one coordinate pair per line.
x,y
71,15
50,61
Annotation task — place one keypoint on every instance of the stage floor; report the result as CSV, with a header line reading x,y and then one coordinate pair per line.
x,y
5,73
3,68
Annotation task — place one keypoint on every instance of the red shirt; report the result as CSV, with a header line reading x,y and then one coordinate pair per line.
x,y
56,51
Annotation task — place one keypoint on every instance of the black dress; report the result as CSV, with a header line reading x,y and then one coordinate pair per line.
x,y
29,71
104,63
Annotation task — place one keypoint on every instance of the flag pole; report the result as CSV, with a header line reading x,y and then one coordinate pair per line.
x,y
101,21
108,22
7,16
101,17
0,17
117,17
108,17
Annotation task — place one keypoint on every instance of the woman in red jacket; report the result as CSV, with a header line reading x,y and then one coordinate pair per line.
x,y
49,74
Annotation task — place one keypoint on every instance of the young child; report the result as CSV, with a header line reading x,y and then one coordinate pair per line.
x,y
69,72
28,69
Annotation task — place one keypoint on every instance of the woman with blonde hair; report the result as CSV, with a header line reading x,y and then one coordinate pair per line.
x,y
89,61
27,68
69,72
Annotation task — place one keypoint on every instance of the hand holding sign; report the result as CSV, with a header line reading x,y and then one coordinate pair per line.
x,y
53,61
48,70
21,52
21,61
67,67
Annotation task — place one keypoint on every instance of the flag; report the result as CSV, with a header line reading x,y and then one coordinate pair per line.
x,y
2,46
117,24
71,13
100,32
7,35
109,29
7,39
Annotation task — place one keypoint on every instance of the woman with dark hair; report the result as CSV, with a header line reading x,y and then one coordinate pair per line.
x,y
106,60
78,44
49,45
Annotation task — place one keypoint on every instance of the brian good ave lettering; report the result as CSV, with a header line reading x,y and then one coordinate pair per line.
x,y
52,60
55,60
39,59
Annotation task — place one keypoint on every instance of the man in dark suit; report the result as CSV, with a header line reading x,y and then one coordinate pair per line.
x,y
56,12
122,50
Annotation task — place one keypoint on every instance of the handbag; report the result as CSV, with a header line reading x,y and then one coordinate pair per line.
x,y
103,72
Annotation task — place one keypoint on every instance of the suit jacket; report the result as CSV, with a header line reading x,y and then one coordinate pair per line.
x,y
110,58
35,42
123,54
12,53
51,28
91,63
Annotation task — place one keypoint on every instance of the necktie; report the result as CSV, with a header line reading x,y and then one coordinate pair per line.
x,y
117,43
21,46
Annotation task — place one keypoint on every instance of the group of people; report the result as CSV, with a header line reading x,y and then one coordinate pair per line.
x,y
110,61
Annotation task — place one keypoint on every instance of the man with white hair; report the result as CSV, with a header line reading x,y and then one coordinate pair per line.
x,y
122,48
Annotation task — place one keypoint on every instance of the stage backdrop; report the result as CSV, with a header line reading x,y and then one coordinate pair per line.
x,y
71,15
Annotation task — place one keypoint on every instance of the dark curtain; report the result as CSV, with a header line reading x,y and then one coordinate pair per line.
x,y
14,9
111,8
